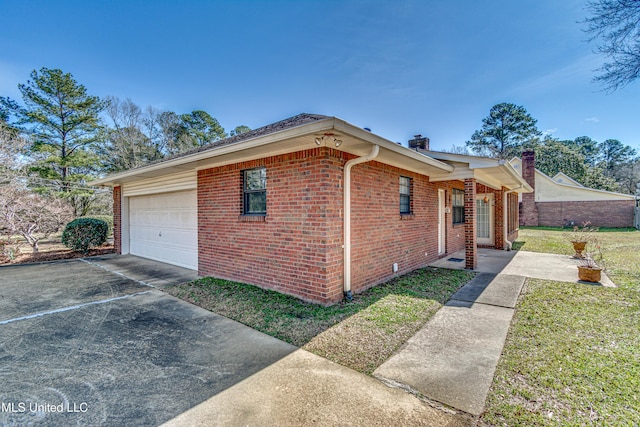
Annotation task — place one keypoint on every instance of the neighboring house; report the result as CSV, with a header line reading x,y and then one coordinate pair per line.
x,y
562,201
314,207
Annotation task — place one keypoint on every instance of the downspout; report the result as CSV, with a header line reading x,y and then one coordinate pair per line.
x,y
347,216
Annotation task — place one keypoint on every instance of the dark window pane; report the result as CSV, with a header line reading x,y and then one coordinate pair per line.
x,y
405,204
256,202
405,195
458,214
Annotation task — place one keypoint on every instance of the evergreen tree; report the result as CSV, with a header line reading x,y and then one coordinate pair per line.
x,y
63,123
504,131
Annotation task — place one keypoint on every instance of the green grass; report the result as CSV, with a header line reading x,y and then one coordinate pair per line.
x,y
572,355
621,249
361,334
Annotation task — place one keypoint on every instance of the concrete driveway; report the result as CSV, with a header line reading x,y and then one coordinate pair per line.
x,y
96,342
109,349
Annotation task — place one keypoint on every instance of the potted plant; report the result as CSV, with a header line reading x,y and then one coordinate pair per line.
x,y
592,264
580,237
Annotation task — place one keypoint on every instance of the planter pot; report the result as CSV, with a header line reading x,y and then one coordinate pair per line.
x,y
589,274
579,248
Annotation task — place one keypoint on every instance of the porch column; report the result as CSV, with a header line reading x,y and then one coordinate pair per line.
x,y
470,228
499,218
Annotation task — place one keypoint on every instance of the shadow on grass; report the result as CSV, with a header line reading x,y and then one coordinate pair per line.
x,y
517,245
360,334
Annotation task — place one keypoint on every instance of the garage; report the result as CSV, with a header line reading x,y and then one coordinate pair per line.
x,y
164,227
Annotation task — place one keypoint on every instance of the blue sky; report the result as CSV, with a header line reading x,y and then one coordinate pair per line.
x,y
398,67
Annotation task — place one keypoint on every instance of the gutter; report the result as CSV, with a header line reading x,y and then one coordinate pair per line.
x,y
347,216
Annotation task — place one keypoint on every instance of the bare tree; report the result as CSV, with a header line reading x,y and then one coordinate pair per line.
x,y
615,24
30,215
12,143
131,140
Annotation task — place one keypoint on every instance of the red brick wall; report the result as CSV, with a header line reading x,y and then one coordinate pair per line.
x,y
380,236
117,219
297,248
612,213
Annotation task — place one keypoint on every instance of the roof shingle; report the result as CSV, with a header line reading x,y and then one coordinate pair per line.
x,y
291,122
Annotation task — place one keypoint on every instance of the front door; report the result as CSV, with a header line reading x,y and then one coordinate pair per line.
x,y
484,218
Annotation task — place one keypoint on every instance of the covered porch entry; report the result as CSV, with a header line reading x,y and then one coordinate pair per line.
x,y
491,188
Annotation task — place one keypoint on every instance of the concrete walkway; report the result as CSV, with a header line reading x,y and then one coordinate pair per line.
x,y
303,389
453,358
562,268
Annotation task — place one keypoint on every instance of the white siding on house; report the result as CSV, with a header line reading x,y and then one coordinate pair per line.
x,y
548,190
164,184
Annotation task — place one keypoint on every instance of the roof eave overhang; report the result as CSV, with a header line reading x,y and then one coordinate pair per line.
x,y
289,140
500,174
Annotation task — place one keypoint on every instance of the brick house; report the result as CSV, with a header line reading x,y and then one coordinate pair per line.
x,y
314,207
562,201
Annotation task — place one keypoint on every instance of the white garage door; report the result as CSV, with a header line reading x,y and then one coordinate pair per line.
x,y
164,227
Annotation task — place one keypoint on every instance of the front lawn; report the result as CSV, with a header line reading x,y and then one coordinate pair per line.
x,y
572,355
361,334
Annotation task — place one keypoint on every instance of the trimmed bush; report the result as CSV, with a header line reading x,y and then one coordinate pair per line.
x,y
84,233
107,218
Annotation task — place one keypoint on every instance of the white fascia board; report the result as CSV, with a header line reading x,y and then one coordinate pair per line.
x,y
319,126
185,162
512,172
343,126
476,168
474,162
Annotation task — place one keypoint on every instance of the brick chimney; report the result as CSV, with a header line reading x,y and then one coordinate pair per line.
x,y
419,142
528,209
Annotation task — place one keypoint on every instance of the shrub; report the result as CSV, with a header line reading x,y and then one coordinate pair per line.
x,y
107,218
84,233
